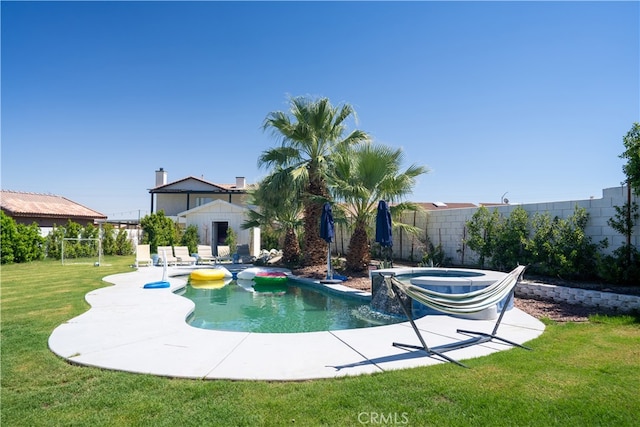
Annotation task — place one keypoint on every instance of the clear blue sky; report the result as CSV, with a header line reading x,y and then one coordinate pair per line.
x,y
529,98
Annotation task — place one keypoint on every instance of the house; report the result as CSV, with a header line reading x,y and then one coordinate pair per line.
x,y
46,210
213,221
438,206
213,208
178,196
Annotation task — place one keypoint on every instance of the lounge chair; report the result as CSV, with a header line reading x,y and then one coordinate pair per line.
x,y
224,254
143,255
182,253
167,251
469,302
244,255
205,255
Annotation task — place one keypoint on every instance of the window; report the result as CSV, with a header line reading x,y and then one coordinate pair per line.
x,y
202,201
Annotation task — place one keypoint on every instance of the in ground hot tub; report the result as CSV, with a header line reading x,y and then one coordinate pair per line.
x,y
443,280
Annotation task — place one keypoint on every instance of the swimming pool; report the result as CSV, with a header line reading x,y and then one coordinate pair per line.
x,y
292,308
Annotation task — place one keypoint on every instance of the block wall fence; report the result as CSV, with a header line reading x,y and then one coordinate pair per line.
x,y
447,227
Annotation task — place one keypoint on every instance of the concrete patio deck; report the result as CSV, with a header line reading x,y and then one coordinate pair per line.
x,y
132,329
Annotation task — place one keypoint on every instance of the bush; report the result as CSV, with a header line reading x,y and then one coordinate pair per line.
x,y
231,240
553,246
560,247
158,230
19,242
191,239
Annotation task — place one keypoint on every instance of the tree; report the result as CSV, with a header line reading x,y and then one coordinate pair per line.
x,y
360,177
158,230
108,239
19,242
190,238
8,235
632,154
309,134
123,244
231,240
482,233
279,213
29,244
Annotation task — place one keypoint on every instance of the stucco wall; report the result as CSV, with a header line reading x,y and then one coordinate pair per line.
x,y
173,204
232,214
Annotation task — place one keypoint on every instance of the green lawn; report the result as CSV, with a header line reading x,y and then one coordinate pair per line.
x,y
578,375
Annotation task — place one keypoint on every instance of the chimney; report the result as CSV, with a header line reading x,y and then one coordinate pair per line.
x,y
240,182
161,177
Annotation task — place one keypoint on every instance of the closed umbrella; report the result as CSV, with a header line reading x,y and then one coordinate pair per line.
x,y
327,233
384,235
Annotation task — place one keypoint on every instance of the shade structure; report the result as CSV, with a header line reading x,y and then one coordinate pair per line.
x,y
384,235
326,223
327,233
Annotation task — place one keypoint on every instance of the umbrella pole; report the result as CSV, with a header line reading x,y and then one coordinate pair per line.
x,y
329,268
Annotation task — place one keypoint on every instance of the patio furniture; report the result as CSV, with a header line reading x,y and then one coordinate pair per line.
x,y
182,253
167,252
205,255
224,253
143,255
470,302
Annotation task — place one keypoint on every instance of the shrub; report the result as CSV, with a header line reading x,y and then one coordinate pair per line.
x,y
158,230
560,247
19,242
190,238
123,245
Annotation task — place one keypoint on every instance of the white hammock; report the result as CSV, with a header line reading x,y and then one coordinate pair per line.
x,y
469,302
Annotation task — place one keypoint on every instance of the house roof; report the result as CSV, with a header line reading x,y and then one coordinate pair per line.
x,y
215,206
195,184
436,206
18,204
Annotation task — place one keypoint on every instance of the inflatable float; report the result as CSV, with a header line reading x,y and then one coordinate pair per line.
x,y
209,274
270,278
250,273
209,284
270,282
157,285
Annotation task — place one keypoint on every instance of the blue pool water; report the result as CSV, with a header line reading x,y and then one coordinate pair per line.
x,y
292,308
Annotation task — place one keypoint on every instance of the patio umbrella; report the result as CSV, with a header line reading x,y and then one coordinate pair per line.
x,y
383,226
327,233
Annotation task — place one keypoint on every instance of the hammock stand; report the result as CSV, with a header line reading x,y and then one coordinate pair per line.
x,y
455,304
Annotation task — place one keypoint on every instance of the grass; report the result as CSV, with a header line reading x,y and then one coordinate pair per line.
x,y
579,374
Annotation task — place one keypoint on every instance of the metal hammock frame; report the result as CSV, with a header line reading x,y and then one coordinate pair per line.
x,y
470,302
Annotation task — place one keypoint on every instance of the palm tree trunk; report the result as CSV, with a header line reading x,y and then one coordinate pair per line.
x,y
358,255
315,248
291,249
315,251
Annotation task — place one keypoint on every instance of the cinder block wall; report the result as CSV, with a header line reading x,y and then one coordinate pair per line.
x,y
577,296
447,227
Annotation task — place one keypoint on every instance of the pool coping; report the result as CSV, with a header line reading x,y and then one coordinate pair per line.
x,y
132,329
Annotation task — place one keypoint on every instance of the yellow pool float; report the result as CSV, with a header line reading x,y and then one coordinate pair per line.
x,y
209,284
207,274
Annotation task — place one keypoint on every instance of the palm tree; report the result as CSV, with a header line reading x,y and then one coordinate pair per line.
x,y
283,214
309,134
360,177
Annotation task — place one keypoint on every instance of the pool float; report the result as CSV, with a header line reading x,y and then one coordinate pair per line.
x,y
210,274
270,281
250,273
209,284
157,285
